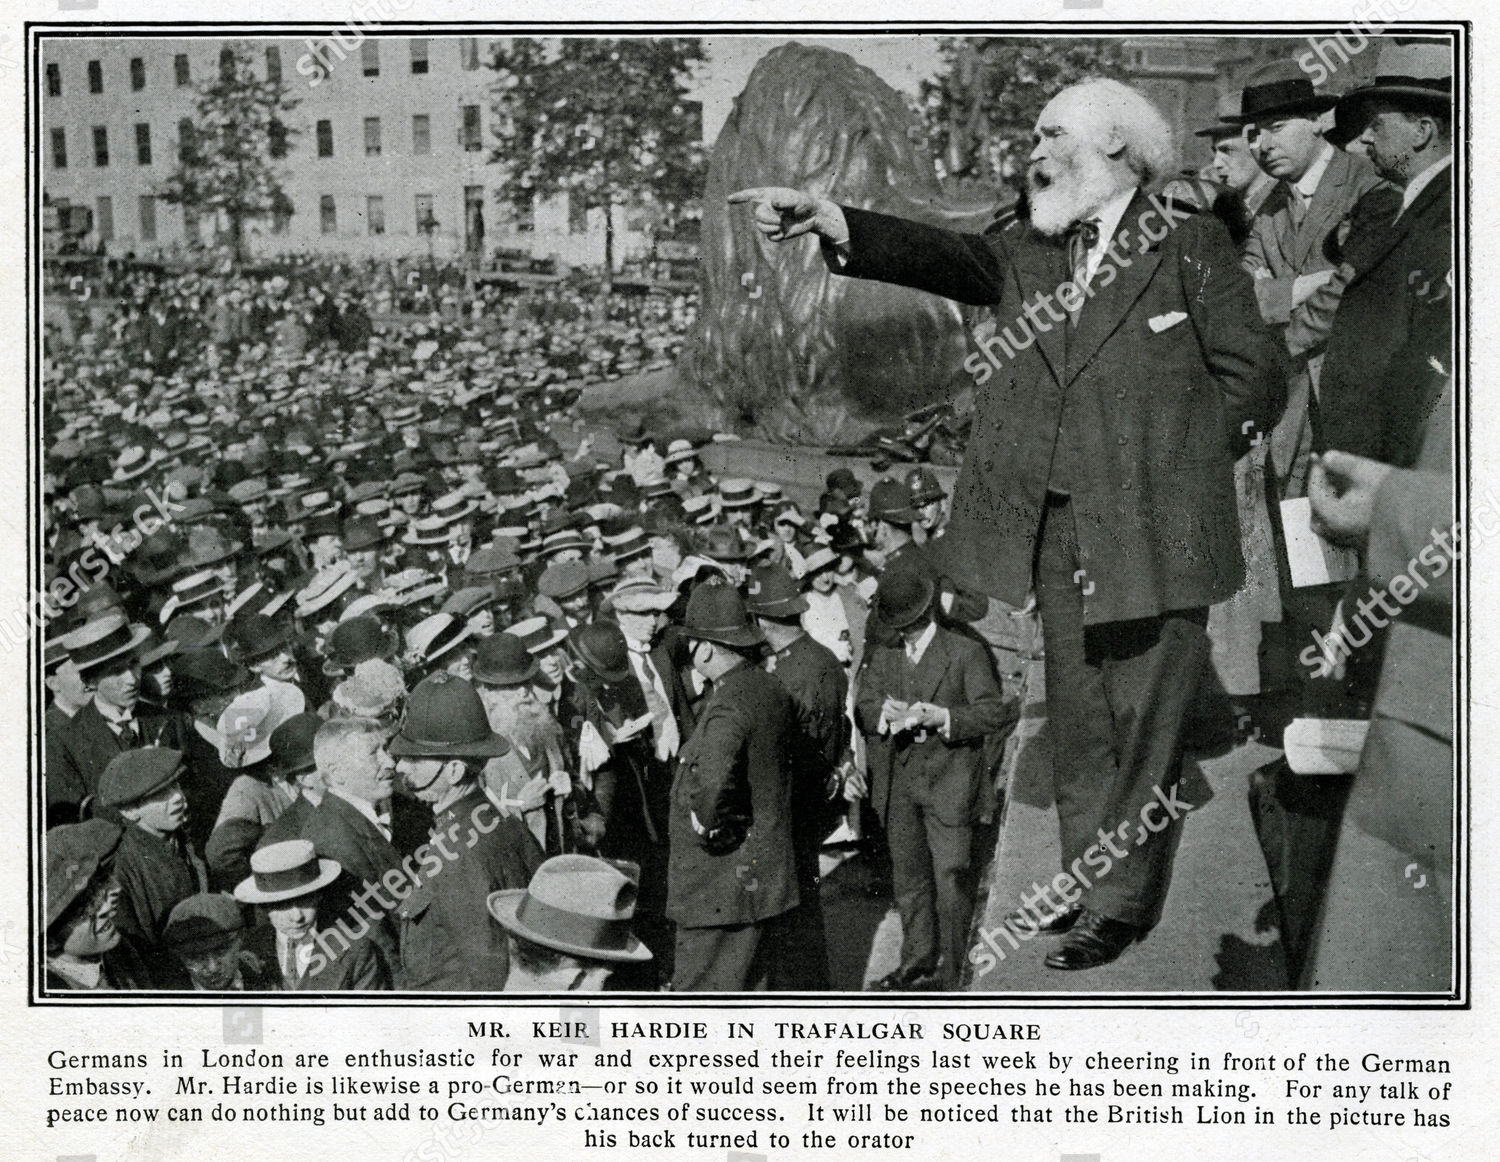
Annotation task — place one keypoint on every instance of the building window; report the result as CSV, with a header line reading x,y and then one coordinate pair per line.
x,y
471,133
101,146
226,64
426,222
328,219
54,81
142,143
137,74
418,56
273,65
468,50
192,224
525,210
372,136
148,218
59,149
375,214
182,69
278,138
421,134
325,138
369,55
578,213
281,215
96,77
187,141
104,219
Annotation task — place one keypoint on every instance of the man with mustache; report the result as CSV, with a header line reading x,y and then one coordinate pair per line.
x,y
1129,366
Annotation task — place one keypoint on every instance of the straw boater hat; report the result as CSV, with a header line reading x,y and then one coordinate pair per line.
x,y
537,634
285,871
103,639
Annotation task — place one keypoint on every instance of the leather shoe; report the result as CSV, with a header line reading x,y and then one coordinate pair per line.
x,y
1044,921
1095,940
911,980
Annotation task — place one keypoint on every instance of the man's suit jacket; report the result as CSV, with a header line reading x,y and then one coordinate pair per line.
x,y
1395,320
730,836
86,744
945,775
1279,248
1150,399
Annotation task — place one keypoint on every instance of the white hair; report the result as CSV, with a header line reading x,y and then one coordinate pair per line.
x,y
1114,107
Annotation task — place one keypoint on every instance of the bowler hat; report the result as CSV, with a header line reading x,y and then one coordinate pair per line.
x,y
575,904
360,533
716,613
446,719
503,660
254,637
201,671
285,871
292,745
138,774
1411,73
600,646
1281,89
902,596
357,640
772,592
76,854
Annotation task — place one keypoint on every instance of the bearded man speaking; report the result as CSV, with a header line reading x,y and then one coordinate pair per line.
x,y
1128,369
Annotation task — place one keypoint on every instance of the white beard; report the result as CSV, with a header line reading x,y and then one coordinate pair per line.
x,y
1075,193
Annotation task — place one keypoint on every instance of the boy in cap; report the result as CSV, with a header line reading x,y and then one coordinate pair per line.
x,y
446,943
207,933
84,949
155,866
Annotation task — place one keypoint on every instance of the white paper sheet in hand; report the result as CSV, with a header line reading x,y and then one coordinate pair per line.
x,y
1313,560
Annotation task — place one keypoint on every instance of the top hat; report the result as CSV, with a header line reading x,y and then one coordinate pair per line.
x,y
902,596
716,613
600,646
575,904
1281,89
771,592
285,871
446,719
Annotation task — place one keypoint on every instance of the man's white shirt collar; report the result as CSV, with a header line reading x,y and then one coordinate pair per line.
x,y
1421,182
1307,185
1108,216
367,809
916,650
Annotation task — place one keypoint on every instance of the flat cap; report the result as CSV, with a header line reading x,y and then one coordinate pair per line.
x,y
203,921
137,774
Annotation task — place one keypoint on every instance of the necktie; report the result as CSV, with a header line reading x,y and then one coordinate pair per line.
x,y
129,737
1082,239
291,964
663,722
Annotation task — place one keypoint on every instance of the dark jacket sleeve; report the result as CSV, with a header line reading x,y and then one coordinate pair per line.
x,y
720,799
985,710
962,267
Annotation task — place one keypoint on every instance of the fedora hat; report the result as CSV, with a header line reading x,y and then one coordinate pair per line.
x,y
717,613
103,639
902,596
254,636
772,592
445,718
504,660
1281,89
890,501
575,904
1411,73
285,871
600,646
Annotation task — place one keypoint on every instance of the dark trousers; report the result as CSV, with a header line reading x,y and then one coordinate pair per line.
x,y
728,959
932,874
1117,695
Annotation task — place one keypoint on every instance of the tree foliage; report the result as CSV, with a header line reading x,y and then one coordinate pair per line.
x,y
607,120
229,164
981,110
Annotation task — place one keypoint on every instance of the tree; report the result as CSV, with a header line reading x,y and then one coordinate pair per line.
x,y
227,163
607,121
980,112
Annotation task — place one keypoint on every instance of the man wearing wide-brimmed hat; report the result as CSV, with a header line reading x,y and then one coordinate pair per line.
x,y
447,945
732,878
1235,167
570,927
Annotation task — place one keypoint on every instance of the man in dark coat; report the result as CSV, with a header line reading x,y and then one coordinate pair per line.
x,y
1101,463
732,875
447,942
820,693
926,705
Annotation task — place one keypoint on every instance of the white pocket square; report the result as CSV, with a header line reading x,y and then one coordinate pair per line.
x,y
1161,322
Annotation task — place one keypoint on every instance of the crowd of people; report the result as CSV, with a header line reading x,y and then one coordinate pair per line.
x,y
367,669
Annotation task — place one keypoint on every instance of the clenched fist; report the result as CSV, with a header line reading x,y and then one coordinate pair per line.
x,y
781,213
